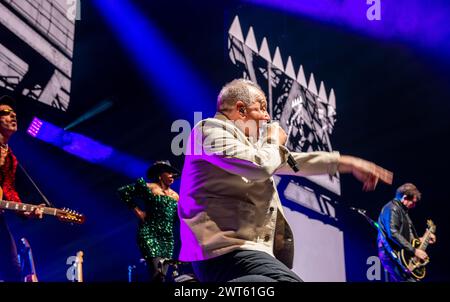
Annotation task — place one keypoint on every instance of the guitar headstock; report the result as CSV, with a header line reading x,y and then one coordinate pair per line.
x,y
25,243
68,215
431,226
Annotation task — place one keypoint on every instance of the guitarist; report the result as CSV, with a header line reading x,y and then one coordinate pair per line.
x,y
397,232
9,264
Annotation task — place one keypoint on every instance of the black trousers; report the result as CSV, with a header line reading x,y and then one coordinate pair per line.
x,y
243,266
9,262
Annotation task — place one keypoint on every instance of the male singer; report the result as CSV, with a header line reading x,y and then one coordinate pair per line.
x,y
232,221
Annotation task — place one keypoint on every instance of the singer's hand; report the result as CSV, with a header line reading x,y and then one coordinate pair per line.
x,y
276,133
141,215
366,172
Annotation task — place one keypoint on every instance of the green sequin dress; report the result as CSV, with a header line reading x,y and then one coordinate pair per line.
x,y
155,235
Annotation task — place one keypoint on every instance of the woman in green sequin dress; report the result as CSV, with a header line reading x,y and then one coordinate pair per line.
x,y
157,221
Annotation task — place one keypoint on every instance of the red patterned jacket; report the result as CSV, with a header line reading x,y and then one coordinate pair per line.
x,y
8,178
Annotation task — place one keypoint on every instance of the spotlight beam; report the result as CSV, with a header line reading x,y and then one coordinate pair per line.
x,y
104,105
163,68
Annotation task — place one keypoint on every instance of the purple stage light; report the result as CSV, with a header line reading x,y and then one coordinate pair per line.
x,y
88,149
420,23
34,127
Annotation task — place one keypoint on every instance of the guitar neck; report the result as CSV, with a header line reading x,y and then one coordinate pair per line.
x,y
426,239
23,207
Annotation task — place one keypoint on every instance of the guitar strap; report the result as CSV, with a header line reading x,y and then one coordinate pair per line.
x,y
411,227
47,202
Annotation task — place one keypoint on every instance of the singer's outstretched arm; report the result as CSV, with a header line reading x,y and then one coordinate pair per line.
x,y
366,172
314,163
219,146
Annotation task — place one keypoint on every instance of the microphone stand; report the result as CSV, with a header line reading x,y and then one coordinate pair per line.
x,y
377,227
370,220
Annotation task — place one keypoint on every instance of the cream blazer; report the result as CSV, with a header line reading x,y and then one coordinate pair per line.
x,y
228,198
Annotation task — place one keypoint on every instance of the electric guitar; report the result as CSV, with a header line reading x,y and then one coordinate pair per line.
x,y
415,266
31,277
65,215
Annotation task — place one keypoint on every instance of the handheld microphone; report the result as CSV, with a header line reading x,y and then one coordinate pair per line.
x,y
290,160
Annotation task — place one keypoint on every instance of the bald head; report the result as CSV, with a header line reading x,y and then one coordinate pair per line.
x,y
239,90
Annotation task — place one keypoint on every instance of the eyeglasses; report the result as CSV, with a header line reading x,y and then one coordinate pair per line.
x,y
6,112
